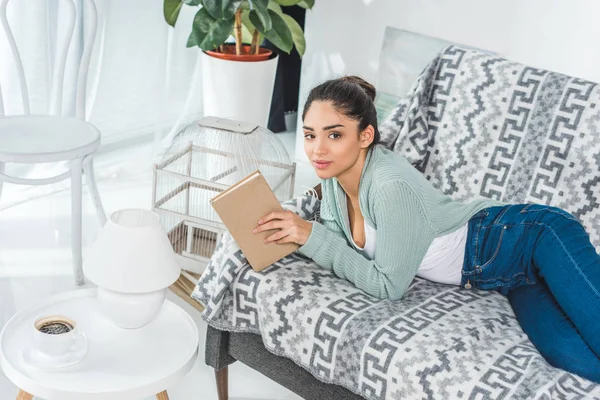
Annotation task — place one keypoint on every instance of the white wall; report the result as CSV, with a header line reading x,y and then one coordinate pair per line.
x,y
345,36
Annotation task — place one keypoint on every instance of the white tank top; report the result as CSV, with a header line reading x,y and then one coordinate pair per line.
x,y
370,236
445,257
443,261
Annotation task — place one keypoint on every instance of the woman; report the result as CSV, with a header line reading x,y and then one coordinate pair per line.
x,y
383,224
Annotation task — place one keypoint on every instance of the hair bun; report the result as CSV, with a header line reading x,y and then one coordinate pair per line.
x,y
366,86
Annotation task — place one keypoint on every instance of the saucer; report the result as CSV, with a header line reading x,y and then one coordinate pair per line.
x,y
37,359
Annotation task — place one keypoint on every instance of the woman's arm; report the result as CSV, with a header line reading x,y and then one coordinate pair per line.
x,y
397,257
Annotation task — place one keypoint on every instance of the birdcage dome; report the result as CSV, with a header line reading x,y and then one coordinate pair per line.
x,y
205,158
226,151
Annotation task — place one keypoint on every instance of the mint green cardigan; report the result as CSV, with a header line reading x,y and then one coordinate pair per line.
x,y
404,208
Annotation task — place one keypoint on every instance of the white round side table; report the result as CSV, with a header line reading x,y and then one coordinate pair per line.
x,y
120,363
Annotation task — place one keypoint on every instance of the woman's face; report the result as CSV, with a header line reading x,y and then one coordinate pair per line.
x,y
331,138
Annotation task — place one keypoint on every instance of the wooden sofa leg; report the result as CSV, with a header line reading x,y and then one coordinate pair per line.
x,y
221,376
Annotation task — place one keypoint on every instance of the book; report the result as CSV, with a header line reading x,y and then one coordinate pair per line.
x,y
240,207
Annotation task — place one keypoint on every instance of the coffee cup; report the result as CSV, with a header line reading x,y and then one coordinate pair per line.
x,y
55,335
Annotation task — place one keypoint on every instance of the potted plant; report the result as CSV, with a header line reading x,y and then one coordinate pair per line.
x,y
238,78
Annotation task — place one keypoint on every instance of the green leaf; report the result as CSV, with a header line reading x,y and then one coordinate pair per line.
x,y
193,2
297,34
279,35
249,28
208,32
275,7
191,42
246,35
288,2
308,4
263,4
261,7
222,9
246,21
171,10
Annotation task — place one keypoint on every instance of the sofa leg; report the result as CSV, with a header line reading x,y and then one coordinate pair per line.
x,y
221,376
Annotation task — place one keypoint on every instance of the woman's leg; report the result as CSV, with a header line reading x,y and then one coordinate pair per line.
x,y
567,260
552,332
520,245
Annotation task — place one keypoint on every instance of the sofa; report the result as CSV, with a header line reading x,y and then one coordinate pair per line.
x,y
476,125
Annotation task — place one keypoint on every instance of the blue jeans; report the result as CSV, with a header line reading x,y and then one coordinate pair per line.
x,y
542,259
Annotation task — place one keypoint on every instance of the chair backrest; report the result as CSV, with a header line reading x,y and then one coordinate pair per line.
x,y
478,125
62,49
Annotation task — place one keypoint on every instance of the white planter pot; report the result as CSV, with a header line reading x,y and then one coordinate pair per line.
x,y
238,90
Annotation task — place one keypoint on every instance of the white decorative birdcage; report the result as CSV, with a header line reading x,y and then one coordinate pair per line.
x,y
205,158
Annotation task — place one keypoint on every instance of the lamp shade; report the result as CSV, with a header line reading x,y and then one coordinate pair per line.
x,y
132,254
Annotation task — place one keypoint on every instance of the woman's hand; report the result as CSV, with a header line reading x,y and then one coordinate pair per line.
x,y
292,228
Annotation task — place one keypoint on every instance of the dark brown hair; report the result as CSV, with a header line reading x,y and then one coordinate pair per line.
x,y
352,96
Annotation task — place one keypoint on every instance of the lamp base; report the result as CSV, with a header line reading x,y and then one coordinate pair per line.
x,y
130,310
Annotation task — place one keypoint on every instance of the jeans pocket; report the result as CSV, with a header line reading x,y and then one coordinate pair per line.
x,y
490,244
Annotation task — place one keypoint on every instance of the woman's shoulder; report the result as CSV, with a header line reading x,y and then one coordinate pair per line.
x,y
389,167
393,175
383,156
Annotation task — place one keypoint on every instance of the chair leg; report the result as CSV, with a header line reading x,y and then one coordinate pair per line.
x,y
23,395
162,395
221,376
76,220
91,181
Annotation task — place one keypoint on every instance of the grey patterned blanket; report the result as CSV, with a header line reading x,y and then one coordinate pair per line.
x,y
471,124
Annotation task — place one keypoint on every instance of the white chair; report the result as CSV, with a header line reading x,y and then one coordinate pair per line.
x,y
46,138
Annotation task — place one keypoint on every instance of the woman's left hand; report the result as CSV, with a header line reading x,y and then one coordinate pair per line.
x,y
292,228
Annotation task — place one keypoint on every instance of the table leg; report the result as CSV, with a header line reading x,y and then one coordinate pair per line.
x,y
23,395
162,395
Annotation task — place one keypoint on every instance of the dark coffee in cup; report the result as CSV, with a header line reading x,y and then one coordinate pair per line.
x,y
55,328
54,325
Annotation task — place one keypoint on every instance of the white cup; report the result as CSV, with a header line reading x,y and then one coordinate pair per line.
x,y
62,341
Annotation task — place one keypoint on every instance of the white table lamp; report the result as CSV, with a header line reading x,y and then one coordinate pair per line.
x,y
133,264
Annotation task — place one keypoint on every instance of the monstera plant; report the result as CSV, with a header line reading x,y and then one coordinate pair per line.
x,y
248,21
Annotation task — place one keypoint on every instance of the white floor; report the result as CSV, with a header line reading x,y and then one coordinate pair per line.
x,y
35,262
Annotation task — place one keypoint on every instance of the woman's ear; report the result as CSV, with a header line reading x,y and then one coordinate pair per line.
x,y
367,136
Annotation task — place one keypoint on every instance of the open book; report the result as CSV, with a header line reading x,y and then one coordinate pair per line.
x,y
240,207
